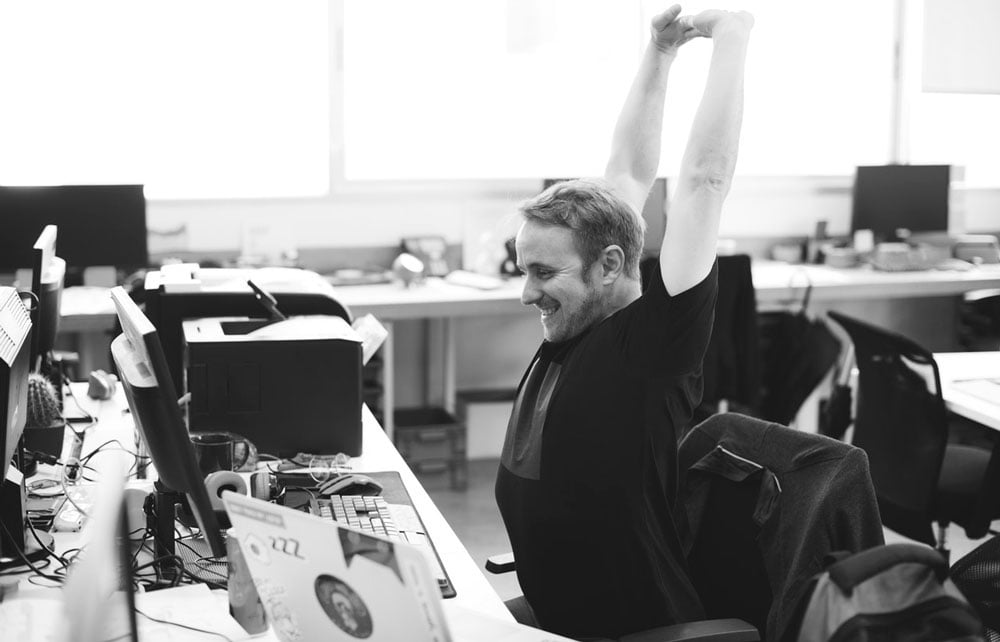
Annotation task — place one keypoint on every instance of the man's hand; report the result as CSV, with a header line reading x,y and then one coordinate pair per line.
x,y
670,32
715,22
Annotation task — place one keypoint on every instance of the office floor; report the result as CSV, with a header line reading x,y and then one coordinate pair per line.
x,y
473,515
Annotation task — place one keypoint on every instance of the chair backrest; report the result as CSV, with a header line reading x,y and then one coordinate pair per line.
x,y
732,359
977,575
901,422
759,506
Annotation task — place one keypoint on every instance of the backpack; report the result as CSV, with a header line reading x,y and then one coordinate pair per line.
x,y
889,593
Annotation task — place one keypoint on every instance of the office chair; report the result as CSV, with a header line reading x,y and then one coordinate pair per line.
x,y
763,505
902,423
977,575
760,505
732,365
979,320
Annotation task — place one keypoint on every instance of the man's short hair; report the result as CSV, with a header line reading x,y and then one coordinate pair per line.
x,y
597,217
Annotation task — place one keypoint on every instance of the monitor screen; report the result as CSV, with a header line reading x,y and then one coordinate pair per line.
x,y
15,347
654,213
47,273
153,400
888,198
98,224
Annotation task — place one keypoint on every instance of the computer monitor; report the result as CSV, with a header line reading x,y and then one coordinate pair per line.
x,y
152,398
47,273
15,349
99,225
890,198
654,213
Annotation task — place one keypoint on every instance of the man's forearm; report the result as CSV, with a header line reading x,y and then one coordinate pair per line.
x,y
710,156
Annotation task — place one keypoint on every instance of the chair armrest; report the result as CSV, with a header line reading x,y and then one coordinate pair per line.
x,y
728,630
497,564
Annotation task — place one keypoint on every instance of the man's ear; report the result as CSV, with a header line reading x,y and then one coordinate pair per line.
x,y
612,264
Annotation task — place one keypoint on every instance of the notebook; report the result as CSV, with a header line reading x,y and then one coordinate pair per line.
x,y
319,580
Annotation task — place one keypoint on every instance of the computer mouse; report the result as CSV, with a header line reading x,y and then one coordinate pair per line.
x,y
350,484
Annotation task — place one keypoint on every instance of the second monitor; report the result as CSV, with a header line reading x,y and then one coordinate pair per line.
x,y
889,199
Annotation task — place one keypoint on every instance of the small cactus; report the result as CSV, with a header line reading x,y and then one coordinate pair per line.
x,y
43,402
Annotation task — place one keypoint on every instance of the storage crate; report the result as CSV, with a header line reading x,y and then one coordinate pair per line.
x,y
432,440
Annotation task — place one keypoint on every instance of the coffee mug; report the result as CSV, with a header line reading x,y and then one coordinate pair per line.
x,y
217,450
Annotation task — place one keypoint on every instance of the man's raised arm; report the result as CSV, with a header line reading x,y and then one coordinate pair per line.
x,y
706,173
635,146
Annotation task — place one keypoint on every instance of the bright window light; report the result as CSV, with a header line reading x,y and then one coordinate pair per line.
x,y
220,99
516,88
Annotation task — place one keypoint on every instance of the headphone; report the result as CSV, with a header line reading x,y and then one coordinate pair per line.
x,y
265,485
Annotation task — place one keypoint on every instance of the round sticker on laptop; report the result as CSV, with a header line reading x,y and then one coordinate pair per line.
x,y
343,606
254,547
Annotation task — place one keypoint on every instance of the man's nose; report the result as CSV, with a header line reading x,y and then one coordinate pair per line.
x,y
530,294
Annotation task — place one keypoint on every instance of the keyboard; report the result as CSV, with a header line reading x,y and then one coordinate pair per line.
x,y
390,515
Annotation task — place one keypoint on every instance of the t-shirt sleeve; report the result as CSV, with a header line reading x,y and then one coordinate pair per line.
x,y
664,335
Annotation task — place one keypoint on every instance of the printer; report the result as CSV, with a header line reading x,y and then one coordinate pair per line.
x,y
291,386
183,291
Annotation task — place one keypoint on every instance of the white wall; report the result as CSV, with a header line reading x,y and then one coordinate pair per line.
x,y
756,207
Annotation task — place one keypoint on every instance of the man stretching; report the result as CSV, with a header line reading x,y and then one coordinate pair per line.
x,y
587,480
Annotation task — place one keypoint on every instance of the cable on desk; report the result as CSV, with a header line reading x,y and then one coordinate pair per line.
x,y
68,392
24,558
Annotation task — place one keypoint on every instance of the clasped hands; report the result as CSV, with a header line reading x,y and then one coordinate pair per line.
x,y
670,30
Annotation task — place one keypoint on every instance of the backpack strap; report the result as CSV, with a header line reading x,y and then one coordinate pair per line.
x,y
854,570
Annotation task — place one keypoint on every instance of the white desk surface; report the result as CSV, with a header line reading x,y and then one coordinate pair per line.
x,y
955,366
474,592
778,282
88,309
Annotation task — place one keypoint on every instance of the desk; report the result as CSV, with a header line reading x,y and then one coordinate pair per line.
x,y
473,589
777,284
956,366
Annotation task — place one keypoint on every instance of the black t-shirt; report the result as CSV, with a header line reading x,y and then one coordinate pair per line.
x,y
588,477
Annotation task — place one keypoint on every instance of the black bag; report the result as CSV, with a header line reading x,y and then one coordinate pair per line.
x,y
889,593
797,350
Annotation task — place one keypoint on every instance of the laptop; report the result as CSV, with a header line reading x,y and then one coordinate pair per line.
x,y
320,580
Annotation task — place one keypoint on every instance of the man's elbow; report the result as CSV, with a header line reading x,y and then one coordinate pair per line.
x,y
711,178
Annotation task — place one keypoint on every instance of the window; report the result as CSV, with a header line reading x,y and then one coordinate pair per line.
x,y
511,88
948,121
228,98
